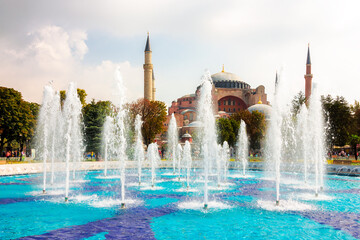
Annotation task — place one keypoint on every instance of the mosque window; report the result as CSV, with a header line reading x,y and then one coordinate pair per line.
x,y
234,110
190,102
219,103
224,102
229,102
191,117
219,109
185,117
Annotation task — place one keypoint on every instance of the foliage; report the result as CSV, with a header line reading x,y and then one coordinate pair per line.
x,y
17,118
94,115
81,93
339,118
255,126
153,115
227,130
297,102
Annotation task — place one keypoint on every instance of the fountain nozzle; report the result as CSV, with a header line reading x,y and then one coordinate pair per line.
x,y
66,199
44,191
277,203
122,206
321,188
316,194
205,206
139,183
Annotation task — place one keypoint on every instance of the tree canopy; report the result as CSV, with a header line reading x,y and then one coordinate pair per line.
x,y
339,118
94,115
153,114
17,118
81,93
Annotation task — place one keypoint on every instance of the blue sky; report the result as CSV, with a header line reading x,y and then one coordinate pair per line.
x,y
84,41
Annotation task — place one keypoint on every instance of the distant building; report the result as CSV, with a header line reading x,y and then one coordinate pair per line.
x,y
230,95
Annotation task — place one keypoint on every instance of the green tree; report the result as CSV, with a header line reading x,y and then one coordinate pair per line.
x,y
94,115
257,129
227,130
255,126
17,118
297,102
153,114
81,93
339,118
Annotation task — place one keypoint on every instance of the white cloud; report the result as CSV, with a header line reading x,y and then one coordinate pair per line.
x,y
56,54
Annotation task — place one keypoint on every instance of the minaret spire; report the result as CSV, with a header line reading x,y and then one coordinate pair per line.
x,y
147,46
149,88
308,76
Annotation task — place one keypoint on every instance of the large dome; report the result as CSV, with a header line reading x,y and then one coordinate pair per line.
x,y
228,80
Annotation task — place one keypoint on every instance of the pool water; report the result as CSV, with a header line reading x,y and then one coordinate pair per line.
x,y
242,208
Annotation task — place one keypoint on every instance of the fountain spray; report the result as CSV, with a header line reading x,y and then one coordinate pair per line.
x,y
243,146
139,149
205,114
172,140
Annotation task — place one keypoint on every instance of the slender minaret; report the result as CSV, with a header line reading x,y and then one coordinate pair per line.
x,y
149,90
308,76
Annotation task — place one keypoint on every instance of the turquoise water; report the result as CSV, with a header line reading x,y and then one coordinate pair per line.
x,y
242,209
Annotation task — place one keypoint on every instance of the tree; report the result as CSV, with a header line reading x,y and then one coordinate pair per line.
x,y
81,93
153,115
297,102
257,129
338,116
255,126
94,115
17,118
227,130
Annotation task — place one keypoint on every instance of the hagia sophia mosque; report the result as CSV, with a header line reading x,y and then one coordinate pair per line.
x,y
230,92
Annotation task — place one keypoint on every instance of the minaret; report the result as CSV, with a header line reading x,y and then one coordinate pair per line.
x,y
149,90
308,76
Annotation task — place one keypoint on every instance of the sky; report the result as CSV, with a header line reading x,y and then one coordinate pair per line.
x,y
86,40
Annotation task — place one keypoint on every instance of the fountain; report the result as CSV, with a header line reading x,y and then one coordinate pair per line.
x,y
303,138
219,159
316,135
73,136
45,128
179,157
207,136
225,159
154,158
187,160
243,146
108,140
172,140
119,130
139,149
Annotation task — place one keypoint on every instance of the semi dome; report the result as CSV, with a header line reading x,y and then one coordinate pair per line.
x,y
263,108
228,80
